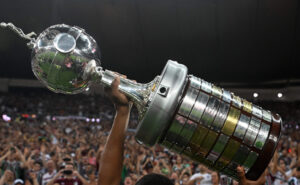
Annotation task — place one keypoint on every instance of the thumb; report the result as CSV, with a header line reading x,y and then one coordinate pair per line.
x,y
241,174
115,86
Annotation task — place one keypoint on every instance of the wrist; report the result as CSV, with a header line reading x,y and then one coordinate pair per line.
x,y
123,109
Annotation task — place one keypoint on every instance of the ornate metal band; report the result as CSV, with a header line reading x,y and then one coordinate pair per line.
x,y
220,130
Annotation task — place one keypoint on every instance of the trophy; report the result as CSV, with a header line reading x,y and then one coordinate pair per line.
x,y
181,112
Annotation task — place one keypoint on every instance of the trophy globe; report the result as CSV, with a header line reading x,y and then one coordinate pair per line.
x,y
60,57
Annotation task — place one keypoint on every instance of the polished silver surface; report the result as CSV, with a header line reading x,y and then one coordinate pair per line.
x,y
174,132
206,86
210,111
227,96
267,115
199,106
252,131
257,111
60,56
217,91
161,107
262,136
242,126
67,60
218,148
237,101
220,117
188,101
250,160
183,139
195,82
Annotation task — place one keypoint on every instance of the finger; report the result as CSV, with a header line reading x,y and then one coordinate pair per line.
x,y
115,86
241,174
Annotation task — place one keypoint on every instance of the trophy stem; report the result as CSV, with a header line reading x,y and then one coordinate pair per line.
x,y
138,93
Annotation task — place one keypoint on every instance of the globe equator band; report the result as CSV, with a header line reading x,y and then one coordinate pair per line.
x,y
231,121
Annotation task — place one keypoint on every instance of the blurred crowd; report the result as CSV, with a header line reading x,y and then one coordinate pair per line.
x,y
40,150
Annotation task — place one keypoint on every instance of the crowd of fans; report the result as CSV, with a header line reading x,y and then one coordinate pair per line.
x,y
40,150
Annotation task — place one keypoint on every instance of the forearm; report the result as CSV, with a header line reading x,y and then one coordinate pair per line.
x,y
112,158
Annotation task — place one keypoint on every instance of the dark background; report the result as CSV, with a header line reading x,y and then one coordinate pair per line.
x,y
246,42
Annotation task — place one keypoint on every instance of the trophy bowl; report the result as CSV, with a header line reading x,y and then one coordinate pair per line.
x,y
60,56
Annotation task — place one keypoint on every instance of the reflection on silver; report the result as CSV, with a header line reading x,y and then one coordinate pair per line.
x,y
237,101
64,42
185,135
195,82
218,148
239,157
210,111
267,115
262,136
257,111
250,161
226,96
199,106
221,117
206,86
188,101
174,131
242,126
217,91
252,131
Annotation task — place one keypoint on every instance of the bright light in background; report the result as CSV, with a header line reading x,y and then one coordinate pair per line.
x,y
87,119
255,95
279,95
6,118
93,119
97,120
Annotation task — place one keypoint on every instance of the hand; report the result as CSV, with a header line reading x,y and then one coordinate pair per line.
x,y
117,97
76,173
32,175
244,181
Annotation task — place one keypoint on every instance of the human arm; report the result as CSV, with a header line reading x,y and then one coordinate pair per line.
x,y
112,156
244,181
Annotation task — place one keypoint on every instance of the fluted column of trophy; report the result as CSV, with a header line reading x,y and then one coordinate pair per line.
x,y
181,112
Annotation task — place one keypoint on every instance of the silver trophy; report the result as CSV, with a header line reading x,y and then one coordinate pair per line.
x,y
181,112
